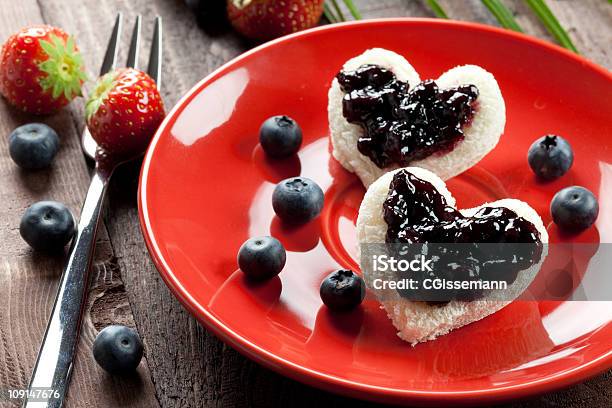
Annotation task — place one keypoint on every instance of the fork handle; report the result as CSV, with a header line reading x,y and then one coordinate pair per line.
x,y
53,367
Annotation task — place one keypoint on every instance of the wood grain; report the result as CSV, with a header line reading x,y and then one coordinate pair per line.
x,y
185,365
29,281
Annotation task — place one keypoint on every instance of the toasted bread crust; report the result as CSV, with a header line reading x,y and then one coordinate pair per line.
x,y
480,137
417,321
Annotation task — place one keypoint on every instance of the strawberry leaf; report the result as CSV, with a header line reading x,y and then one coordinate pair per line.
x,y
104,85
63,68
49,49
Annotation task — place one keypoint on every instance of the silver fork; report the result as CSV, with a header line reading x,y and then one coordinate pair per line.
x,y
51,374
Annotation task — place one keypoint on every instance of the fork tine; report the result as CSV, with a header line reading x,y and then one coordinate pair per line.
x,y
132,60
155,59
110,58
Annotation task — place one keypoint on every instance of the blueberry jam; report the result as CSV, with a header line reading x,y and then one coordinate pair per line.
x,y
402,125
416,212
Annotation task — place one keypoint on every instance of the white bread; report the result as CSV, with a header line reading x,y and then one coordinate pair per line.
x,y
480,137
417,321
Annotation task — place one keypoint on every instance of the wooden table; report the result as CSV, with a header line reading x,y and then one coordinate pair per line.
x,y
185,365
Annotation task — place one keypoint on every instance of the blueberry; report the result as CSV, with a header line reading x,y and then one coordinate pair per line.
x,y
574,208
342,290
280,136
550,157
47,226
262,257
297,199
117,349
33,146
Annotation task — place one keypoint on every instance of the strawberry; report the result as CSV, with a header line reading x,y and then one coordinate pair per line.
x,y
41,69
124,111
267,19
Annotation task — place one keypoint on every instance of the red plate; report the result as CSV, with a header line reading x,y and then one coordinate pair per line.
x,y
206,187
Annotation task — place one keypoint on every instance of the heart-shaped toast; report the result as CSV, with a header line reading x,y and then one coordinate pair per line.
x,y
418,321
446,126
